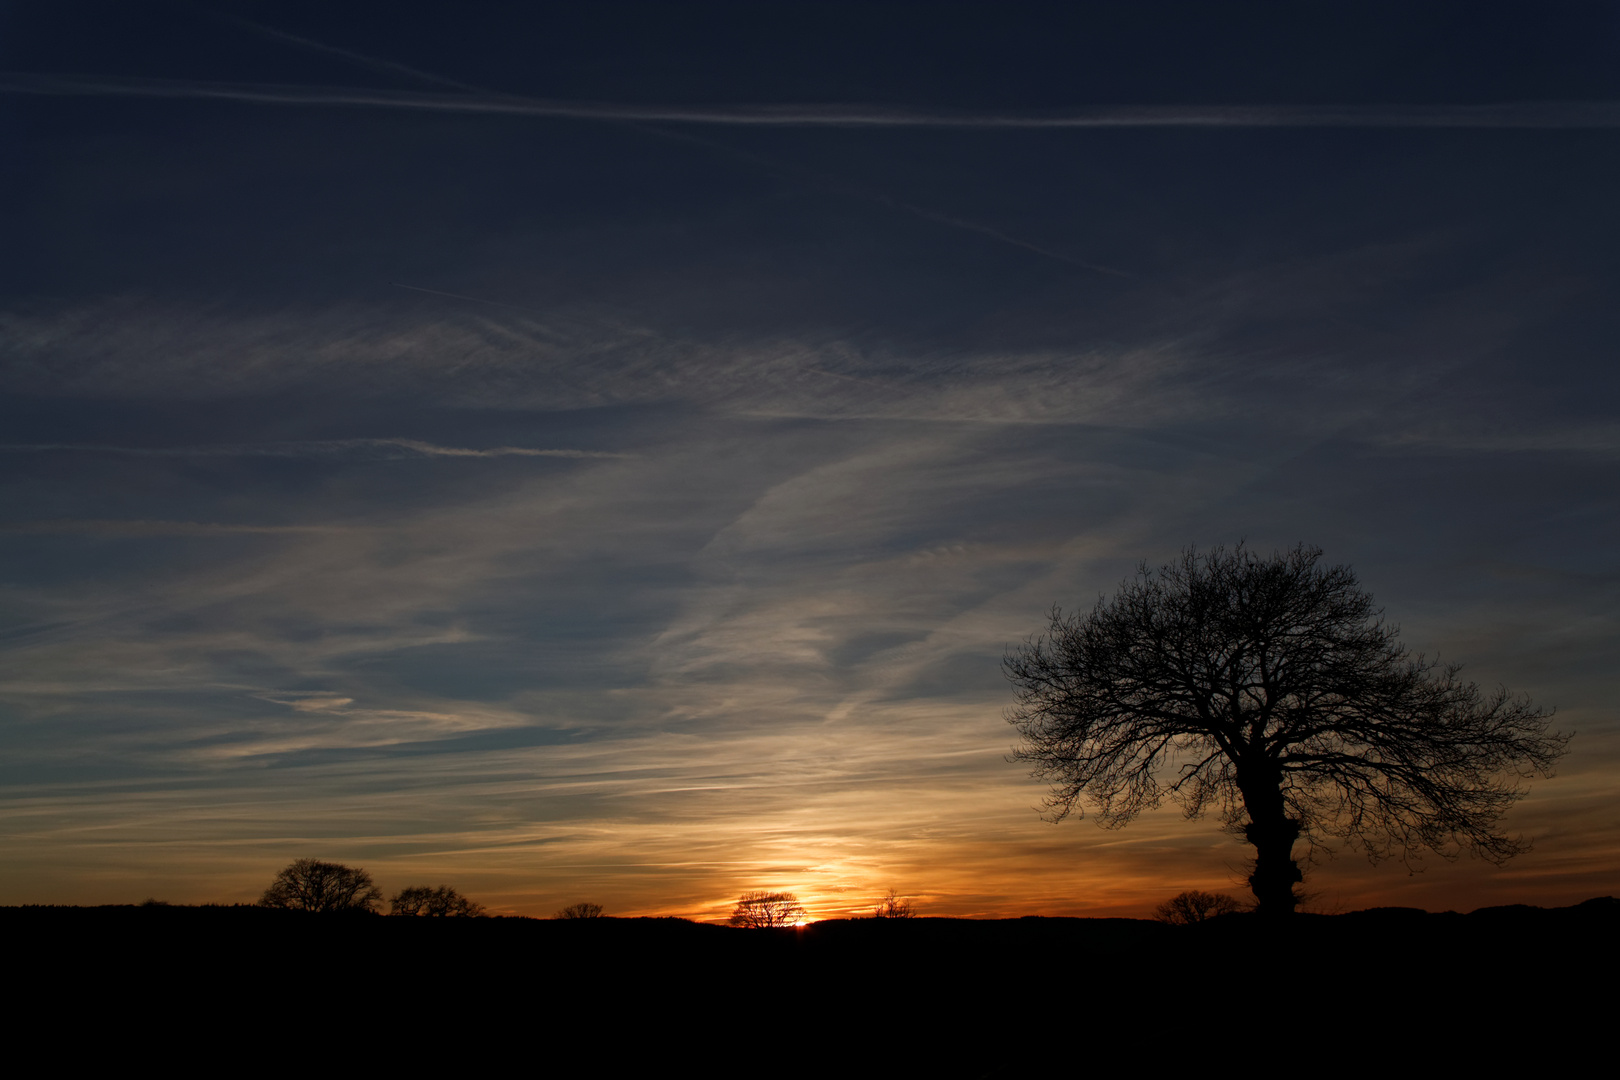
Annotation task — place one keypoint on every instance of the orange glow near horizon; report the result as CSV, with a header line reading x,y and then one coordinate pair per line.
x,y
963,845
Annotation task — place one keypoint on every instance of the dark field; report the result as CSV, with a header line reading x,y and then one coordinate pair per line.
x,y
945,997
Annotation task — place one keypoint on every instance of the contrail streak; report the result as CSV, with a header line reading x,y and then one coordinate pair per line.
x,y
376,448
997,234
159,528
374,62
463,296
1522,114
392,66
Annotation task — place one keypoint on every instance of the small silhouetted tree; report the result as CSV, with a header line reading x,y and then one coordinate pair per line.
x,y
894,906
1193,906
442,902
313,885
1273,691
766,909
580,911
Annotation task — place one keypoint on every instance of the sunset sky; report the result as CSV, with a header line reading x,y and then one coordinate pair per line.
x,y
602,452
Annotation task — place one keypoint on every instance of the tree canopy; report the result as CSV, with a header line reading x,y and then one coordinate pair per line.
x,y
1272,690
767,909
313,885
430,902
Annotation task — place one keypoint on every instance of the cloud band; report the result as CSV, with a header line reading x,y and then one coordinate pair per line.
x,y
1522,114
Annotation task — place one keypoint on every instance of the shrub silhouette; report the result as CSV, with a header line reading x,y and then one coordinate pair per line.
x,y
894,906
1193,906
580,911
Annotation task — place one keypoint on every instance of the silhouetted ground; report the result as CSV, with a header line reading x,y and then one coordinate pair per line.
x,y
937,997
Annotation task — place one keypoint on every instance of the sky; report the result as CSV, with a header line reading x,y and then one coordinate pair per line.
x,y
603,452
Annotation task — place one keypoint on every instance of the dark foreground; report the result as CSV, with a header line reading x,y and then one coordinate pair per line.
x,y
945,997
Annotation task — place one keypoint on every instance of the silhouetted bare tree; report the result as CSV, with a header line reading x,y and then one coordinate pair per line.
x,y
765,909
580,911
313,885
442,902
1193,906
1273,690
894,906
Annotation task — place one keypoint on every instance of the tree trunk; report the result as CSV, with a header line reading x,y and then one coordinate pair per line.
x,y
1275,872
1272,832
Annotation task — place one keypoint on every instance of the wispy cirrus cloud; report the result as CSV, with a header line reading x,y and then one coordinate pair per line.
x,y
564,360
1595,439
1521,114
115,527
376,449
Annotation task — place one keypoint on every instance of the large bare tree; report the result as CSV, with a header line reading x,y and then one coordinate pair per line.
x,y
1272,690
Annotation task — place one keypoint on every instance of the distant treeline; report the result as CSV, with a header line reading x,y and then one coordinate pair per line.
x,y
1592,922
